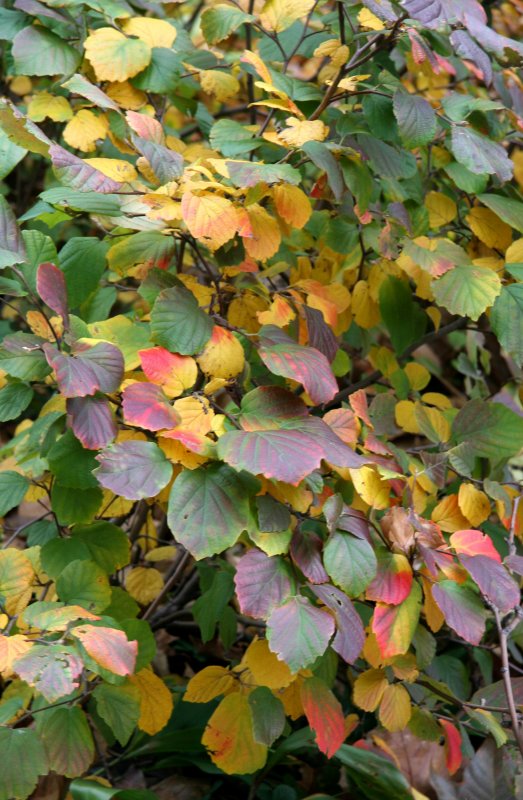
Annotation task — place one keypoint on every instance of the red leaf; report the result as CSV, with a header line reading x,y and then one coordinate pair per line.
x,y
145,405
109,647
324,715
453,755
393,580
474,543
50,285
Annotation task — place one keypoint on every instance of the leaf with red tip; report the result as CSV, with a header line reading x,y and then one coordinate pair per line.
x,y
92,421
393,580
50,285
283,356
134,470
474,543
494,581
145,405
298,632
306,554
87,369
350,634
145,126
175,373
453,754
262,583
324,715
462,609
75,173
109,647
394,626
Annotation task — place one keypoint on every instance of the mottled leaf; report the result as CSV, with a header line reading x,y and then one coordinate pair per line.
x,y
298,632
262,583
133,469
462,609
92,421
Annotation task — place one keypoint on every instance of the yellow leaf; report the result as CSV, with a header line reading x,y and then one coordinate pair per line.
x,y
278,15
292,204
266,236
395,708
196,414
373,489
280,313
84,129
144,584
45,105
366,311
265,667
154,32
173,372
350,84
223,355
255,61
176,452
229,738
114,168
16,572
209,683
514,254
156,701
299,131
489,228
243,310
210,218
222,85
126,96
405,416
473,503
436,399
441,208
448,515
418,375
11,648
369,688
274,543
369,20
404,667
167,551
116,57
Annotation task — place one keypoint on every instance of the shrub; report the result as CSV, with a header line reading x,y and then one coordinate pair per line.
x,y
261,356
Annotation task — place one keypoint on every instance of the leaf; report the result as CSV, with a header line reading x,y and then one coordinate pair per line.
x,y
298,632
116,57
53,670
37,51
375,776
166,164
462,609
350,562
210,218
73,506
133,469
92,421
467,290
174,373
369,688
79,174
506,319
13,488
85,584
493,580
68,741
324,715
144,584
154,32
229,738
510,211
79,84
491,430
178,324
14,398
262,583
50,285
474,543
393,581
108,545
453,754
350,636
71,464
395,708
12,250
119,707
221,20
283,356
467,48
156,701
208,510
209,683
24,759
479,154
321,157
146,406
394,626
108,647
416,119
406,328
268,716
89,368
265,667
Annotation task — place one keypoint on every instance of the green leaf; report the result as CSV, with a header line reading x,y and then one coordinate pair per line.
x,y
23,760
321,157
13,487
71,464
298,632
12,249
92,790
416,119
510,211
14,398
11,22
67,739
506,319
178,323
37,51
221,20
161,76
208,509
150,247
467,290
21,357
56,554
119,707
107,544
491,430
480,154
75,505
350,562
268,716
409,325
230,137
10,153
84,584
376,777
82,260
39,248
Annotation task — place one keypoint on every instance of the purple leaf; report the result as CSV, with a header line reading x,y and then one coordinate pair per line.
x,y
285,357
91,421
320,335
306,554
87,369
491,40
298,632
462,609
467,48
145,405
75,173
436,13
50,285
166,164
134,470
262,583
12,249
493,580
350,634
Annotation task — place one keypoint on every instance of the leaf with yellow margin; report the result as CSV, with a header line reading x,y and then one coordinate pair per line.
x,y
114,56
229,737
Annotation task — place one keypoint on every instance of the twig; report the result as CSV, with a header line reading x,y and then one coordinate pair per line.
x,y
175,572
507,683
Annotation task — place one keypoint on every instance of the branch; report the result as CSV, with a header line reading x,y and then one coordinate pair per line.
x,y
176,570
503,634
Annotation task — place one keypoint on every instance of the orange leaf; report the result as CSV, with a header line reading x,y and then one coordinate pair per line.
x,y
324,715
474,543
452,746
